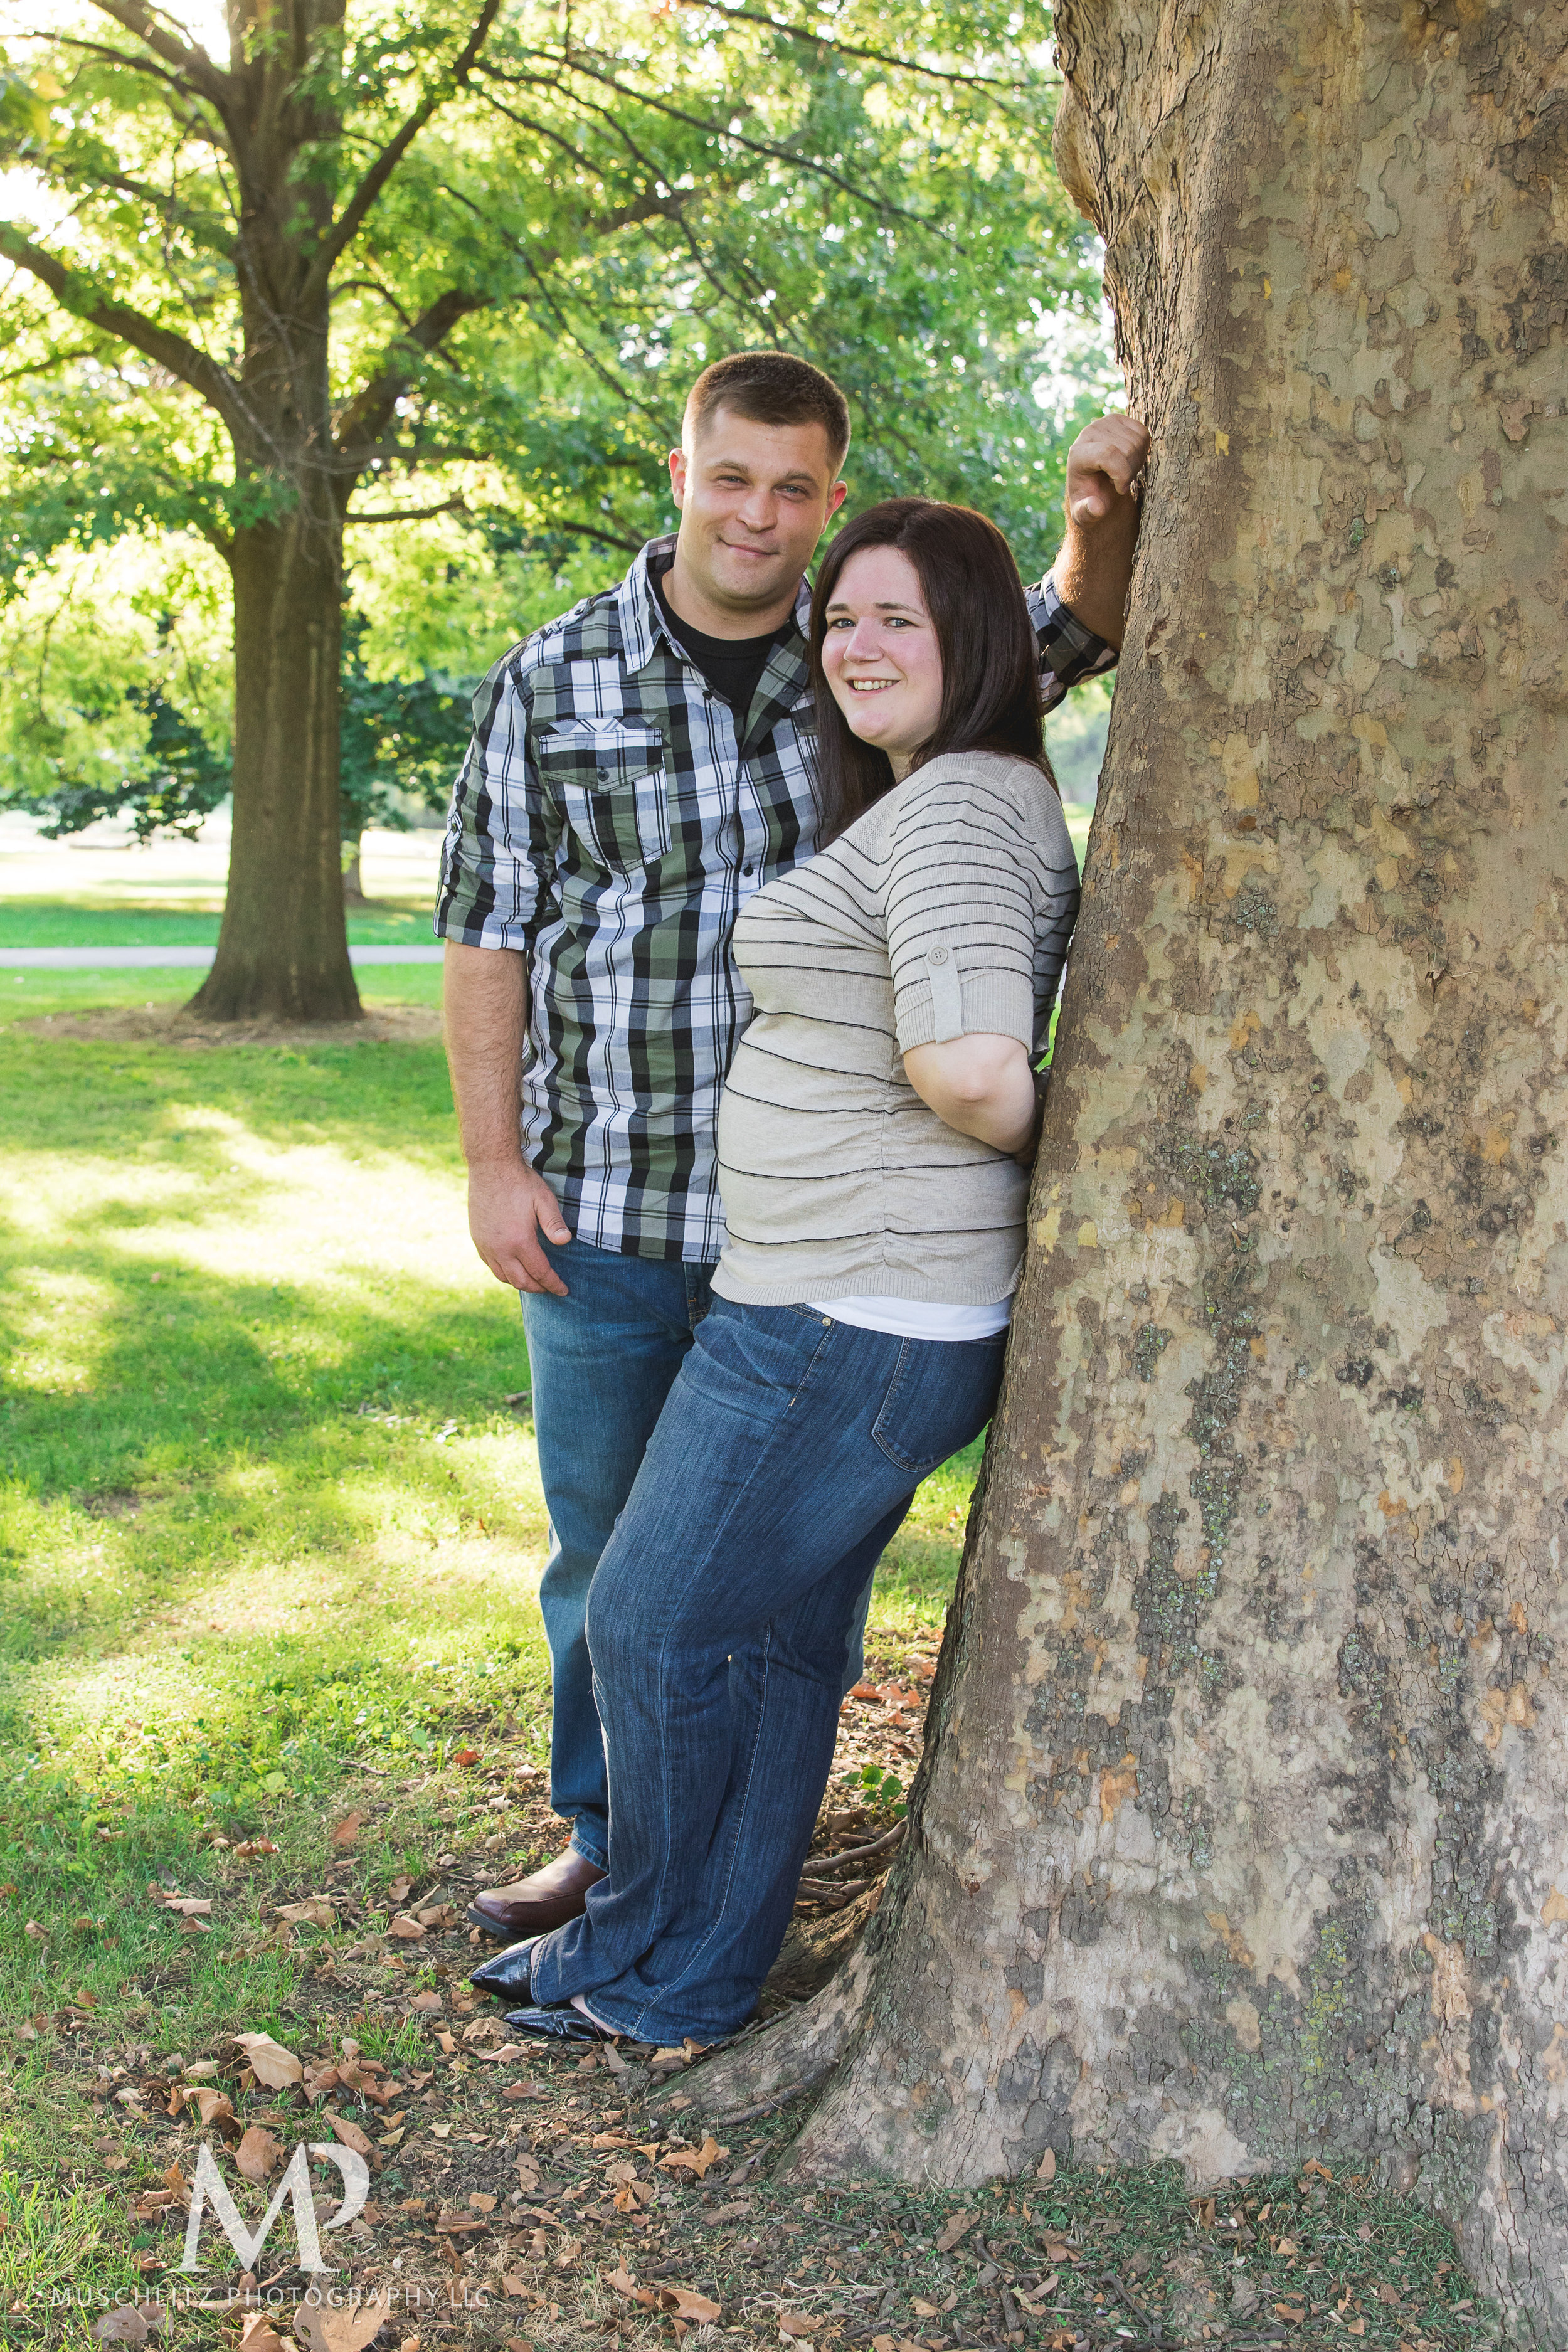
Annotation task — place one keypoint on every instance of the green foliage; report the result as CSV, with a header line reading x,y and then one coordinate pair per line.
x,y
114,701
114,689
610,199
399,738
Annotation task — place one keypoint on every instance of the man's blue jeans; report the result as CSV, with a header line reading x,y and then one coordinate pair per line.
x,y
789,1451
603,1362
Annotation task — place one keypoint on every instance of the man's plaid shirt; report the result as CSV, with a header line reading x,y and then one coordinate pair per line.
x,y
612,817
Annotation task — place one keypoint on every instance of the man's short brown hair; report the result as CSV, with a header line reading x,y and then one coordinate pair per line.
x,y
771,388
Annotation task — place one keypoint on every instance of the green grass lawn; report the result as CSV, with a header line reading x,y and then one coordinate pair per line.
x,y
269,1539
81,922
267,1524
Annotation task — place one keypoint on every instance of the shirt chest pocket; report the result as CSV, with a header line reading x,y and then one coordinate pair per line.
x,y
611,788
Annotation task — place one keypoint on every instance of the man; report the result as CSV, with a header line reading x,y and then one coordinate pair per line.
x,y
640,768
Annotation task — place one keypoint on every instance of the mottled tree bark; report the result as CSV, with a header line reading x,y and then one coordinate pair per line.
x,y
1240,1835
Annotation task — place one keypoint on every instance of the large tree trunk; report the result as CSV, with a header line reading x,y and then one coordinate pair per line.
x,y
282,950
1241,1833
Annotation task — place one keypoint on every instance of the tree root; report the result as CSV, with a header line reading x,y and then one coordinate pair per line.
x,y
796,2052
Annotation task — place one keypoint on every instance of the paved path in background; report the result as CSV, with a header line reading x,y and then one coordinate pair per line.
x,y
150,959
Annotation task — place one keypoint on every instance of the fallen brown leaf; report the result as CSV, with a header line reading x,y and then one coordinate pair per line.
x,y
1048,2165
425,2002
958,2227
323,2327
214,2107
274,2066
401,1888
347,1830
695,2160
481,2201
683,2303
353,2075
124,2324
257,2334
466,1756
624,2284
257,2155
319,2080
407,1930
189,1906
350,2133
791,2323
314,1912
248,1848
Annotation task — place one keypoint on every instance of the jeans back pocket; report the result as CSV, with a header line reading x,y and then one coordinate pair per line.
x,y
941,1395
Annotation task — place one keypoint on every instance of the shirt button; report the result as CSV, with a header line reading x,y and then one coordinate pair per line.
x,y
748,869
937,955
602,774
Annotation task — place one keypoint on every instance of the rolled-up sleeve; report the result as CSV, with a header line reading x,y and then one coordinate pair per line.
x,y
1069,652
498,864
978,897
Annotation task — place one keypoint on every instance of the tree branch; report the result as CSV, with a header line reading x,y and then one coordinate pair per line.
x,y
412,514
156,73
188,61
367,415
347,226
576,63
370,286
587,531
825,40
75,293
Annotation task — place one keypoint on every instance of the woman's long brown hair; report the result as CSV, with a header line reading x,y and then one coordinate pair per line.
x,y
989,656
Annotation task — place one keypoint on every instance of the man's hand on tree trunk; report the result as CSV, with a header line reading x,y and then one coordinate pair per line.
x,y
509,1207
1094,567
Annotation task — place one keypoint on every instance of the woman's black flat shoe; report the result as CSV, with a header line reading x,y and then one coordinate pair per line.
x,y
507,1972
559,2023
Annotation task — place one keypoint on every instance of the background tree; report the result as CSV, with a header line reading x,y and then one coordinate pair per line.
x,y
1240,1835
470,253
400,740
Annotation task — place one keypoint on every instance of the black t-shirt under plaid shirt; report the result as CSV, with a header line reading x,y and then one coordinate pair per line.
x,y
612,817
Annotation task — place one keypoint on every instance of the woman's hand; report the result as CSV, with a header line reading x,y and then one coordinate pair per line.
x,y
983,1086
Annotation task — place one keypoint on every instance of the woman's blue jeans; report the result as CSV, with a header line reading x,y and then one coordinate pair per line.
x,y
787,1454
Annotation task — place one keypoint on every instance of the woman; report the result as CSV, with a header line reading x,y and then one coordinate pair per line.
x,y
873,1145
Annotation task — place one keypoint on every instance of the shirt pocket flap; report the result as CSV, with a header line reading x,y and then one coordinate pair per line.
x,y
601,760
612,788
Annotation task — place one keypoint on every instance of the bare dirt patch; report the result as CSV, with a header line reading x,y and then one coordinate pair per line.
x,y
170,1024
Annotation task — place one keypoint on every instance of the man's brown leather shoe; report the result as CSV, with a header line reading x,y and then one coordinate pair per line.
x,y
544,1899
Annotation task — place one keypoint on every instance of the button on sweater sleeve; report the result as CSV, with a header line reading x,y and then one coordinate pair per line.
x,y
498,864
980,891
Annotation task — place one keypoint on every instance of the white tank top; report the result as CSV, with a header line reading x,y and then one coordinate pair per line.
x,y
917,1319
